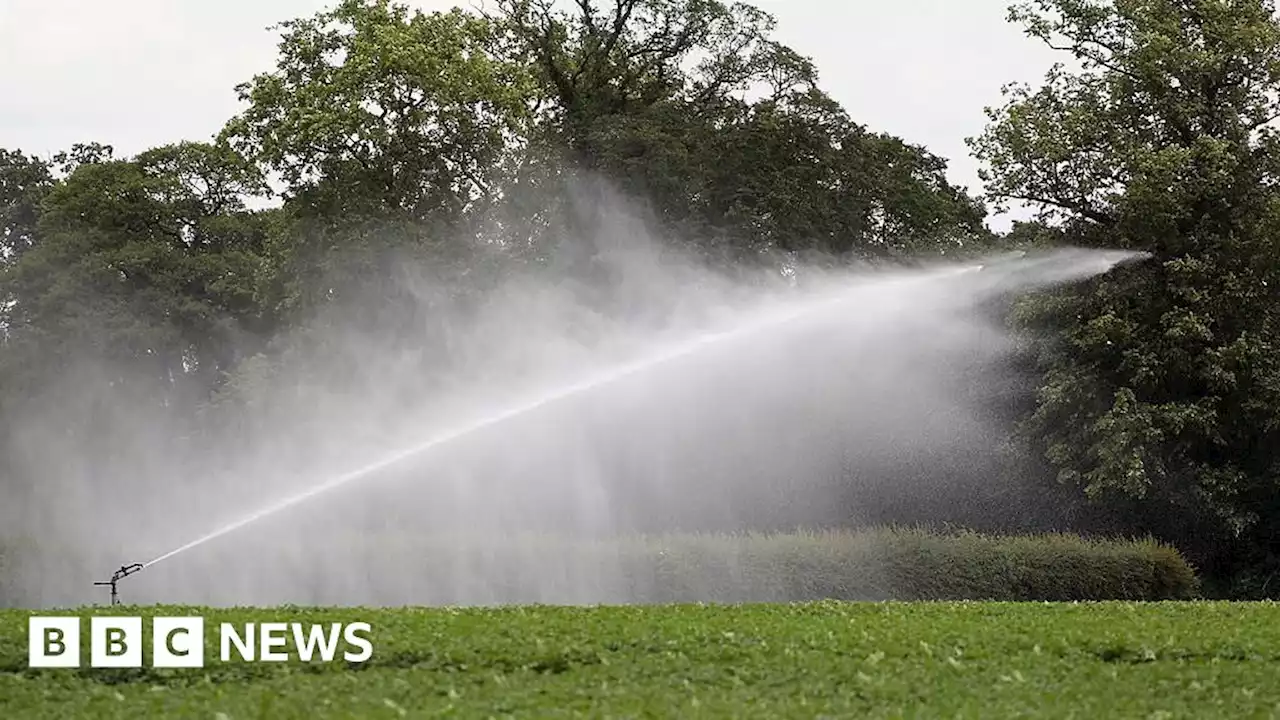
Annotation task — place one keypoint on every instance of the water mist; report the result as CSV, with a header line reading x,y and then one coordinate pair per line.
x,y
451,455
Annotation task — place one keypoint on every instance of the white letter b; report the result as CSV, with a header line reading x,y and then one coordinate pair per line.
x,y
53,642
115,642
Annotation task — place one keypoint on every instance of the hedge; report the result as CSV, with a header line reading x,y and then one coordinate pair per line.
x,y
908,564
872,564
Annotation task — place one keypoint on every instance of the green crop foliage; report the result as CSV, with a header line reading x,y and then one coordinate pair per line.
x,y
827,659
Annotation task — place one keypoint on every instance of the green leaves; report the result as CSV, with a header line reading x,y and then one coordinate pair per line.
x,y
24,181
1158,142
374,110
694,108
804,660
151,259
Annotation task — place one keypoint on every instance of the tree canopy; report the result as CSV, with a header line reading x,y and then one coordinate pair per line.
x,y
1159,392
463,137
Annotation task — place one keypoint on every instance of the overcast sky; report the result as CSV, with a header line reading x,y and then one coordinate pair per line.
x,y
139,73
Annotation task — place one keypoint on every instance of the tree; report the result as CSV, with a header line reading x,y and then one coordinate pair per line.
x,y
150,262
1160,397
24,181
393,131
376,111
692,106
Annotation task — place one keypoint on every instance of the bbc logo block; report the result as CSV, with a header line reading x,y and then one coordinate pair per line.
x,y
179,642
115,642
53,642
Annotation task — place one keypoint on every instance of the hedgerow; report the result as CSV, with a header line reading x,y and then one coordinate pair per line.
x,y
906,564
869,564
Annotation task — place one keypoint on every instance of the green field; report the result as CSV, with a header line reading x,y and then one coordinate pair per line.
x,y
1097,660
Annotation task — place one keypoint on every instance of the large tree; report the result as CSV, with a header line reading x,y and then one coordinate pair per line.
x,y
726,133
376,110
397,131
149,261
392,130
1160,398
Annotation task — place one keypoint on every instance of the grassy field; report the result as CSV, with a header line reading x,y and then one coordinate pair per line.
x,y
1108,660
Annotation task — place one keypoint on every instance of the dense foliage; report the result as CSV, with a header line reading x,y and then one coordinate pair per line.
x,y
1159,397
464,138
827,659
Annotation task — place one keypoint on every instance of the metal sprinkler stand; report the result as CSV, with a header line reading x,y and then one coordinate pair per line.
x,y
123,572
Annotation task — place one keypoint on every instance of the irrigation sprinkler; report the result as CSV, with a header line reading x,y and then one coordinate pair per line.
x,y
117,576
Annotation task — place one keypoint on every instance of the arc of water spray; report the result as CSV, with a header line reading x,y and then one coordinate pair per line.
x,y
515,410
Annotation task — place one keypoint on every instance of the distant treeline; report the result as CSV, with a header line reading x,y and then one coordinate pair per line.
x,y
1147,401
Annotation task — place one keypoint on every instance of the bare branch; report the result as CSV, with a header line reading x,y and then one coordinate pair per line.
x,y
1079,207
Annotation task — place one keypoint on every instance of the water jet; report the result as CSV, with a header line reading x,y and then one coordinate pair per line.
x,y
858,316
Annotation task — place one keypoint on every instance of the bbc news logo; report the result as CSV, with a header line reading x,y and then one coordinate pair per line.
x,y
178,642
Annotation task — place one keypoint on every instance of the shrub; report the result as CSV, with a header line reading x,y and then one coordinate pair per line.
x,y
911,564
970,566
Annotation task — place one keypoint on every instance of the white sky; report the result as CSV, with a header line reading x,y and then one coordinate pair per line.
x,y
140,73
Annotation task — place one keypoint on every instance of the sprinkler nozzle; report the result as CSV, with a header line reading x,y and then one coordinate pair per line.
x,y
117,576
